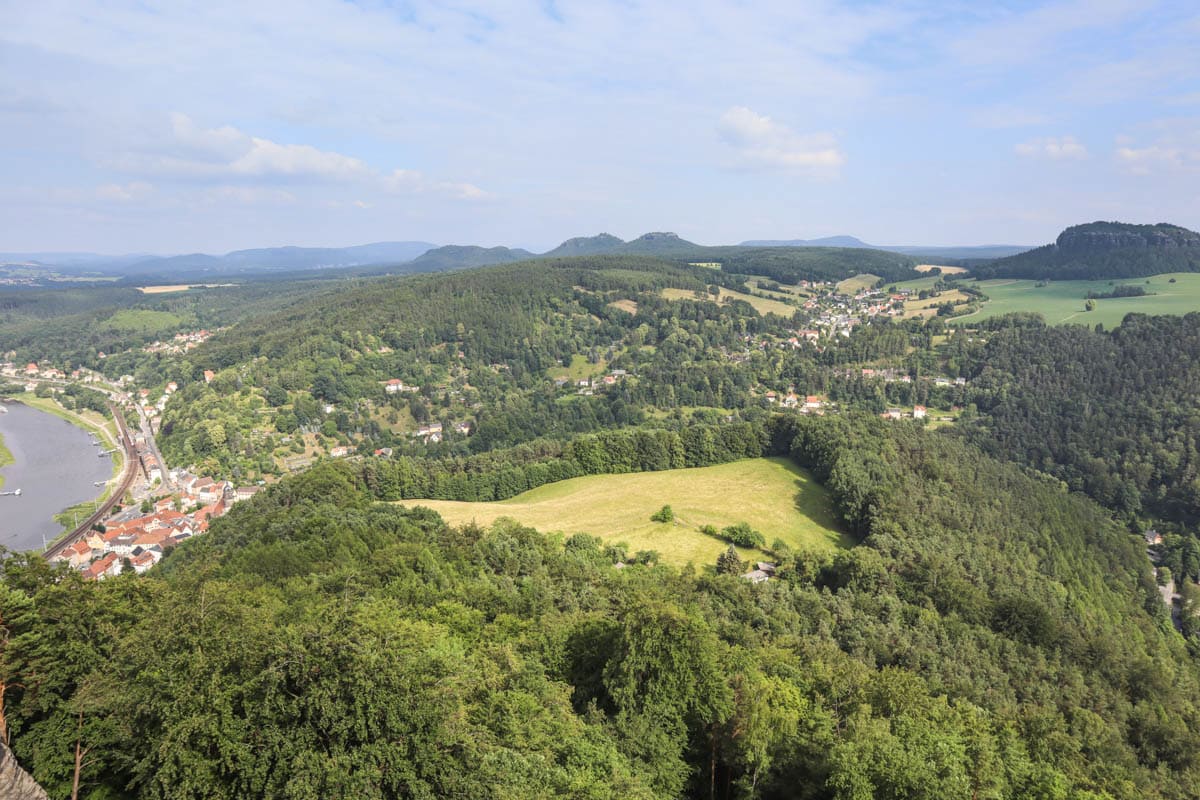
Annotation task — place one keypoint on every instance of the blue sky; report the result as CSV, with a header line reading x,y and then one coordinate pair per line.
x,y
215,125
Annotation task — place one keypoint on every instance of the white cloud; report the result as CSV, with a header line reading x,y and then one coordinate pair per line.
x,y
410,180
228,153
762,143
1145,160
1061,148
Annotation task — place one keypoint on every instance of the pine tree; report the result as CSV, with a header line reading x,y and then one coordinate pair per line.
x,y
729,563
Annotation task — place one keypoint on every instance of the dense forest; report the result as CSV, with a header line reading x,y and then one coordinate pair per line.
x,y
992,636
1101,251
1115,414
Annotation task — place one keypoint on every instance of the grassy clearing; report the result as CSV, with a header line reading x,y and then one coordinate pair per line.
x,y
945,270
864,280
6,458
629,306
179,287
928,306
578,369
142,321
760,304
1062,302
772,495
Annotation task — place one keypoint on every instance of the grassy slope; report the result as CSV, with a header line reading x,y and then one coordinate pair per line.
x,y
6,458
771,494
761,304
856,284
1062,301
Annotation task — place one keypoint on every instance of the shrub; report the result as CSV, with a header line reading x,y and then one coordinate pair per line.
x,y
664,514
743,535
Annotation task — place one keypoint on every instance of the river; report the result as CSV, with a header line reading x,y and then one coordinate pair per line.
x,y
56,466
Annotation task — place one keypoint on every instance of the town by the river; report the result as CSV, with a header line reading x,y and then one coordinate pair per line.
x,y
56,465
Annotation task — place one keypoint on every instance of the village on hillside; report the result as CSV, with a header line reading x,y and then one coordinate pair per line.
x,y
136,538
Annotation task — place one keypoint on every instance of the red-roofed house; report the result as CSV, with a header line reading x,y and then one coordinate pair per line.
x,y
209,375
143,562
77,554
104,568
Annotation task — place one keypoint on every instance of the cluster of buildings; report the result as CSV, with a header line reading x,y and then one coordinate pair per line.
x,y
588,386
397,386
140,539
156,408
890,375
433,432
34,370
181,343
806,404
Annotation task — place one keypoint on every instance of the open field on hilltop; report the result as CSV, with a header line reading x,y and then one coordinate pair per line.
x,y
179,287
863,280
945,270
1061,302
142,321
761,304
788,292
928,306
772,495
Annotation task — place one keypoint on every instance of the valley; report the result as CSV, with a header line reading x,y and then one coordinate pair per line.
x,y
506,401
934,489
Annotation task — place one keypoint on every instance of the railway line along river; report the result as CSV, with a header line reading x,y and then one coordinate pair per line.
x,y
55,465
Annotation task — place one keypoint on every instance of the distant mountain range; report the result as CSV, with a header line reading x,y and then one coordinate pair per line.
x,y
1102,250
984,251
416,256
269,259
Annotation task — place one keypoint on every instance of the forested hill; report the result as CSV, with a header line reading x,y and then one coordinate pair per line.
x,y
781,263
453,256
1116,415
992,637
1102,250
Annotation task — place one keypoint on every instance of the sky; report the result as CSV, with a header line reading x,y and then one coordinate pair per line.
x,y
170,127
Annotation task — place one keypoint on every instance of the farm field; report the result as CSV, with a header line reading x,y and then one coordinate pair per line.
x,y
760,304
945,270
928,306
864,280
179,287
1061,302
772,495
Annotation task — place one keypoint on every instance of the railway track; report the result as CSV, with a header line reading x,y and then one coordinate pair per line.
x,y
127,475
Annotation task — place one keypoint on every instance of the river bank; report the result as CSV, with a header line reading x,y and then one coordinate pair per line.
x,y
6,458
55,465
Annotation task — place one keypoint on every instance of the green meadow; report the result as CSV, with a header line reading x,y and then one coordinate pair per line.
x,y
772,495
1062,302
